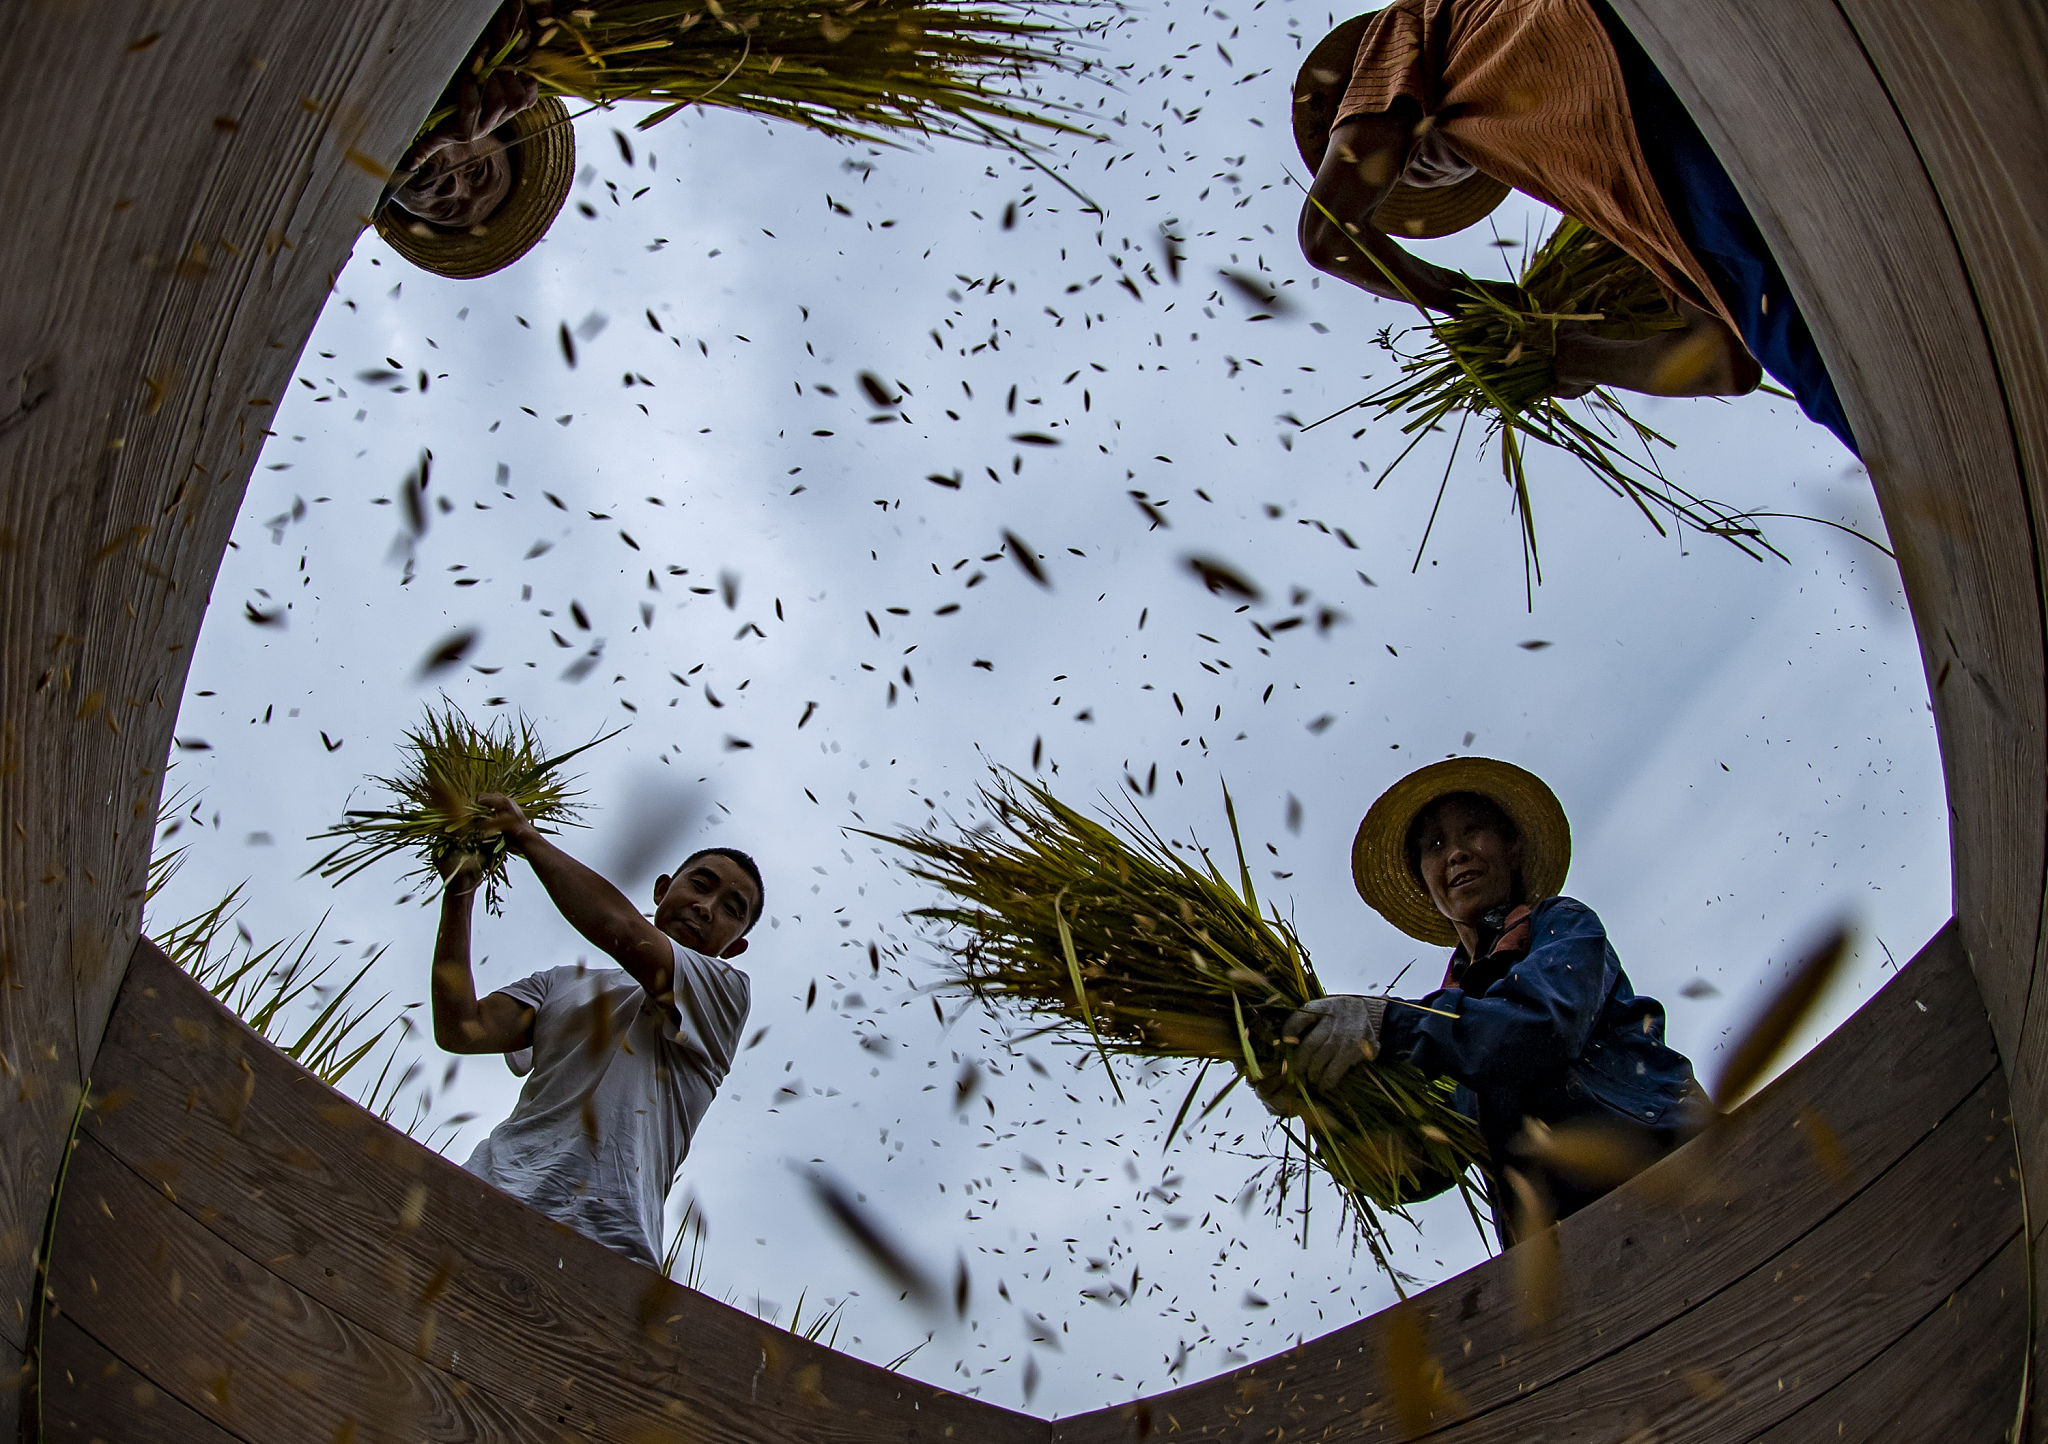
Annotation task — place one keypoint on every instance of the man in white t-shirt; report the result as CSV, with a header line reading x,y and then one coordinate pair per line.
x,y
620,1063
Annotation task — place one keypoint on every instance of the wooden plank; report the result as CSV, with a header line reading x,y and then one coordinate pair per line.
x,y
176,215
1967,81
1954,1378
1784,92
91,1397
1907,206
1841,1295
14,1371
1887,1077
219,1332
293,1174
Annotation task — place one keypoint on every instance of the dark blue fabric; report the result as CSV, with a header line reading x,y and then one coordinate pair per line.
x,y
1553,1033
1718,227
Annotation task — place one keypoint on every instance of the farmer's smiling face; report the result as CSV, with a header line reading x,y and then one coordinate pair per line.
x,y
708,905
1468,857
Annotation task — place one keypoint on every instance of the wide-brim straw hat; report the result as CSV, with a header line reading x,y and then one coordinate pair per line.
x,y
1412,212
1379,854
541,147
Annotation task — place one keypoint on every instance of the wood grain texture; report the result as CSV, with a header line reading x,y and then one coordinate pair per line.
x,y
1805,1320
179,193
376,1229
315,1196
1971,84
1828,1129
1950,1379
1783,91
220,1333
149,317
91,1397
1894,154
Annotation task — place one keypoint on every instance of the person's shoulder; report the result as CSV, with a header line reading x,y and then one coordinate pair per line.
x,y
540,983
1562,911
723,969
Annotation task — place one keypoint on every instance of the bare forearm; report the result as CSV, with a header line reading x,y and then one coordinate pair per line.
x,y
453,988
1701,358
1359,168
1375,263
583,896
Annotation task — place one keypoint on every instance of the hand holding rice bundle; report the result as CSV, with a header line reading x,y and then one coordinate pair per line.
x,y
1415,121
1496,356
494,160
435,812
1105,933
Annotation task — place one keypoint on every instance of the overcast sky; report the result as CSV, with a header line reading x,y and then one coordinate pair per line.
x,y
1744,747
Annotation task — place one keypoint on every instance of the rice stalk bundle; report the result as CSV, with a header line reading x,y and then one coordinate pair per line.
x,y
1495,359
1106,934
449,763
856,69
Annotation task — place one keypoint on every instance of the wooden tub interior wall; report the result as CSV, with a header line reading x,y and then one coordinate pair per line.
x,y
241,1255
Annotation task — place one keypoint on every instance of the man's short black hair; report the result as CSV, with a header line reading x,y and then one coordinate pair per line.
x,y
746,865
1411,845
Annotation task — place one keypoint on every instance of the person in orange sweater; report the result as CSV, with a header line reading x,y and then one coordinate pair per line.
x,y
1417,119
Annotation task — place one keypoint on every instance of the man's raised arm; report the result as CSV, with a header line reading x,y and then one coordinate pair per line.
x,y
589,902
463,1023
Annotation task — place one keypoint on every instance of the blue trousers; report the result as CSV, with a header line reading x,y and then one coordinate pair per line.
x,y
1718,227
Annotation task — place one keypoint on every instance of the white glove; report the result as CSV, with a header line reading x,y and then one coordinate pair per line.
x,y
1334,1033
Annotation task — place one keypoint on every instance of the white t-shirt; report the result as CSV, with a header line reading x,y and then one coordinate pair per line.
x,y
614,1095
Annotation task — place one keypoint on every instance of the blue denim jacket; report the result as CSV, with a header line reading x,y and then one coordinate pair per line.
x,y
1546,1026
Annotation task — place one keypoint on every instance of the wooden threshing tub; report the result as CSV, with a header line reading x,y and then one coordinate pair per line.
x,y
239,1254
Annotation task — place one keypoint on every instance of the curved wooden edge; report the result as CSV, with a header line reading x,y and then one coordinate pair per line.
x,y
1891,152
181,184
1895,154
1677,1305
217,1184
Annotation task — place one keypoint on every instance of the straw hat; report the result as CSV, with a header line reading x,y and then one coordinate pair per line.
x,y
1411,212
1379,858
542,149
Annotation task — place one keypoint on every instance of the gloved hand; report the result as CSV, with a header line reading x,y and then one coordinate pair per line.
x,y
1277,1091
1334,1033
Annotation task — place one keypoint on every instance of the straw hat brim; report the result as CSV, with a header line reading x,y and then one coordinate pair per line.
x,y
1410,212
542,149
1379,861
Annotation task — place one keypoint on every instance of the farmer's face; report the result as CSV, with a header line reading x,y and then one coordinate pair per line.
x,y
707,906
1467,860
460,185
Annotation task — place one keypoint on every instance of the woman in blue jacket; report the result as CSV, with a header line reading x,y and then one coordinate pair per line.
x,y
1535,1020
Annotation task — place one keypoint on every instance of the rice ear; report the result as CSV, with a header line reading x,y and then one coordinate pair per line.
x,y
448,761
1179,964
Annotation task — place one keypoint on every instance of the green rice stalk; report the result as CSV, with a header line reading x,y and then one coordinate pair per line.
x,y
864,70
1172,961
449,763
1497,360
690,1228
267,987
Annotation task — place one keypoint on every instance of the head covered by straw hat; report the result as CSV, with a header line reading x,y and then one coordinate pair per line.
x,y
541,147
1413,212
1379,854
